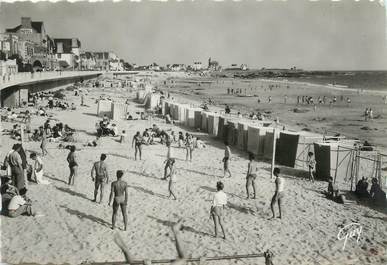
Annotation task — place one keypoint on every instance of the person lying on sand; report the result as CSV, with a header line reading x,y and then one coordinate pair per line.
x,y
218,204
119,190
279,192
176,228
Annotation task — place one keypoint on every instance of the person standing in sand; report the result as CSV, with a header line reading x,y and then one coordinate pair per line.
x,y
189,146
311,166
119,190
37,170
43,144
73,165
137,142
172,179
218,204
168,161
226,160
252,169
279,192
100,175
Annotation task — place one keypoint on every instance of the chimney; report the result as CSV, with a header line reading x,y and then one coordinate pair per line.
x,y
26,22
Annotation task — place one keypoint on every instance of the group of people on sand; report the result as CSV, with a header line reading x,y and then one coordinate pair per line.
x,y
376,194
368,114
14,189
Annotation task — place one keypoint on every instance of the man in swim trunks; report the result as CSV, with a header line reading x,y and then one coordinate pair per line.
x,y
279,192
99,174
119,190
251,176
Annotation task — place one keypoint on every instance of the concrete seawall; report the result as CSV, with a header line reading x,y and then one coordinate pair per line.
x,y
15,92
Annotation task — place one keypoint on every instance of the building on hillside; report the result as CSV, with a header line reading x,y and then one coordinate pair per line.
x,y
34,31
26,51
9,44
154,67
213,65
107,60
7,68
178,67
197,66
67,52
88,61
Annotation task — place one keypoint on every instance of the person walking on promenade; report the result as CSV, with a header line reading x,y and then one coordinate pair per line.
x,y
73,165
100,176
279,192
119,191
218,204
137,142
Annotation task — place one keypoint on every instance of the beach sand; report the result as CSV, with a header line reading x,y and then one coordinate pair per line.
x,y
341,118
76,230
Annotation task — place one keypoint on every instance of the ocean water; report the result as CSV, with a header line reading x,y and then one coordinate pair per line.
x,y
367,80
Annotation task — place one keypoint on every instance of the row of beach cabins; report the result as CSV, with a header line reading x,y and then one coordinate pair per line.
x,y
345,160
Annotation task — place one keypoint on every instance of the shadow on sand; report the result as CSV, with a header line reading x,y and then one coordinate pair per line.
x,y
143,174
214,190
54,178
184,227
73,193
83,215
144,190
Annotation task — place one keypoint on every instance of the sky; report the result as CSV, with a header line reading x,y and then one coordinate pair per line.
x,y
322,35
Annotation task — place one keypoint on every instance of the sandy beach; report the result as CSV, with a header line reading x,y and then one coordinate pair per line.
x,y
76,230
343,118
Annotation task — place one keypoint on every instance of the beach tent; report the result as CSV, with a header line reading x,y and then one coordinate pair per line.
x,y
212,123
175,111
104,108
204,125
306,142
222,123
140,94
190,117
331,157
167,108
286,149
181,113
119,110
256,139
198,119
242,136
232,131
268,144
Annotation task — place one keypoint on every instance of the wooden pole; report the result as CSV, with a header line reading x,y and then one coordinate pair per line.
x,y
261,255
22,134
273,155
337,162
